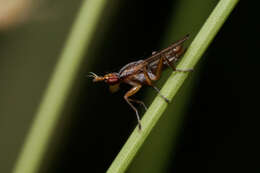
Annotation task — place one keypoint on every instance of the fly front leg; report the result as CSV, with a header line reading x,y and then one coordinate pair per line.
x,y
129,93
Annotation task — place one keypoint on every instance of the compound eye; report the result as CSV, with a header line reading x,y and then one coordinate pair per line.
x,y
112,80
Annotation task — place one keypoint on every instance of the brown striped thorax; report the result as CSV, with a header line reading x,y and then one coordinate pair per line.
x,y
143,72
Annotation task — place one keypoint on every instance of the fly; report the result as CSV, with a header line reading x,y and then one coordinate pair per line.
x,y
144,72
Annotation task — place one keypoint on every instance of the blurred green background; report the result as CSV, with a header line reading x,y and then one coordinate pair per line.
x,y
209,127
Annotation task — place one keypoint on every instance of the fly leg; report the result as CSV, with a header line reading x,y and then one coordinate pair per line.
x,y
158,91
158,70
173,68
139,102
129,93
158,73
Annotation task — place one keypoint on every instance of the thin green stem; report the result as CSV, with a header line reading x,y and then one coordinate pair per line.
x,y
58,89
191,57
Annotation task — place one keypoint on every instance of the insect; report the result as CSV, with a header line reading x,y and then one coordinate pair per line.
x,y
144,72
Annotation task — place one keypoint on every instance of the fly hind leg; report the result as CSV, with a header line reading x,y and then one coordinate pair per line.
x,y
173,67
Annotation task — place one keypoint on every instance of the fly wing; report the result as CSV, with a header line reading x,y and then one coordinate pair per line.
x,y
158,55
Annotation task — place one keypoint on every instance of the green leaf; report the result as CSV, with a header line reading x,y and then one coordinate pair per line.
x,y
59,87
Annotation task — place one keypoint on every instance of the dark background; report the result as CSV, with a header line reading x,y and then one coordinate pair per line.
x,y
218,130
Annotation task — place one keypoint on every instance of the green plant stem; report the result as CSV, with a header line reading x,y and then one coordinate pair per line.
x,y
58,89
160,145
191,57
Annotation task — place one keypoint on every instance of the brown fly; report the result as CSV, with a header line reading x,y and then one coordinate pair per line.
x,y
143,72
